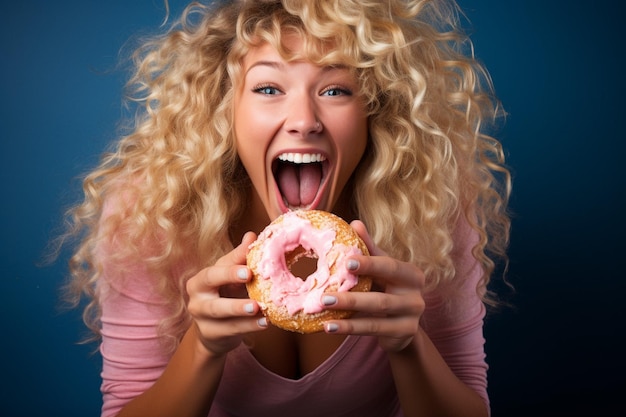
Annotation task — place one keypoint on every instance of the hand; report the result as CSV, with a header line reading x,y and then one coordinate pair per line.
x,y
394,313
222,322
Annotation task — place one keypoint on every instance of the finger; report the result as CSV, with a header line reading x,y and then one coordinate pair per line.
x,y
211,278
388,270
361,230
382,304
229,269
232,327
219,332
208,308
389,327
238,255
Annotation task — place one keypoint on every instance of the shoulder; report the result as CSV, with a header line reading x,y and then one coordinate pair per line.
x,y
457,297
121,253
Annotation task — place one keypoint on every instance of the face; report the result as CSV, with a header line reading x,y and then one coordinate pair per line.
x,y
300,131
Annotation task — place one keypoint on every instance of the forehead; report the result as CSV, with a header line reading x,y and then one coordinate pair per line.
x,y
291,50
295,44
264,51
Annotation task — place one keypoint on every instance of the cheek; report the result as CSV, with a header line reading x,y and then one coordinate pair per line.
x,y
252,159
251,144
253,126
245,125
353,141
352,149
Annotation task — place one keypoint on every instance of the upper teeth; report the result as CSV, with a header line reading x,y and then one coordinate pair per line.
x,y
302,158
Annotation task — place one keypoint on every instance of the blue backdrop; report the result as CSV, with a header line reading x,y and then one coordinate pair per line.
x,y
555,67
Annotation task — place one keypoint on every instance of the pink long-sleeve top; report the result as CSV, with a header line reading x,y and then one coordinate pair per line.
x,y
355,381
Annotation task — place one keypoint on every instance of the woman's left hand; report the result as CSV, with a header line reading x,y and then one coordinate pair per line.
x,y
393,313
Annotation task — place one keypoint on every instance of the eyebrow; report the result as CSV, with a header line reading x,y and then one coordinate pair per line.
x,y
271,64
279,65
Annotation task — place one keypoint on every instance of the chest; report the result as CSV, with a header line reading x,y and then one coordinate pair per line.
x,y
355,381
292,355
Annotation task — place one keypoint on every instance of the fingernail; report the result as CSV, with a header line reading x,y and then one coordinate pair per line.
x,y
242,273
352,265
329,300
262,322
332,327
249,308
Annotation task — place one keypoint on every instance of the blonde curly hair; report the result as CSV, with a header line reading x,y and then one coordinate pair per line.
x,y
429,164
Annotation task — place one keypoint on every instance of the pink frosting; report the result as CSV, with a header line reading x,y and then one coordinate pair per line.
x,y
290,291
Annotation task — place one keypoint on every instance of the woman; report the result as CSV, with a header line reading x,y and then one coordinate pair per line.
x,y
248,109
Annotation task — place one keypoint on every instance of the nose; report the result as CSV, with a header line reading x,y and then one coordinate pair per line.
x,y
302,117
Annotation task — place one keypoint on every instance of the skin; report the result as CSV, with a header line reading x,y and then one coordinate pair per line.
x,y
276,109
297,108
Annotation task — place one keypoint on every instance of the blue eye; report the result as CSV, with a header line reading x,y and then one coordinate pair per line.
x,y
267,90
336,91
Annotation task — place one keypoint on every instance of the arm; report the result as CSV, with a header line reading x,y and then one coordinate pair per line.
x,y
436,350
139,378
186,387
420,368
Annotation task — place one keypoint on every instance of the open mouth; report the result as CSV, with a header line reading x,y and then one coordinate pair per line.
x,y
300,177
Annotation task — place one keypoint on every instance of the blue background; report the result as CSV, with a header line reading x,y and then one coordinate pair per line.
x,y
556,67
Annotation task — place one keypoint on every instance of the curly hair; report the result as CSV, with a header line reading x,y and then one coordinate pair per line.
x,y
429,164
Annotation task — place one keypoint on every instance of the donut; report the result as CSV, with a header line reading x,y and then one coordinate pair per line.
x,y
294,303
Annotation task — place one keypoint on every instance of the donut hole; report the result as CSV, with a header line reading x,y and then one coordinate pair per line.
x,y
301,263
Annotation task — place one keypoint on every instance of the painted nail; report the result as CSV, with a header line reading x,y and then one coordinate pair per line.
x,y
332,327
242,273
249,308
262,322
329,300
352,265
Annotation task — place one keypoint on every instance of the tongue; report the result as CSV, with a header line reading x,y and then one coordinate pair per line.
x,y
299,183
310,179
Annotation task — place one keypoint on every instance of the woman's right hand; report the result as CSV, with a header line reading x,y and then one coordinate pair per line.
x,y
222,320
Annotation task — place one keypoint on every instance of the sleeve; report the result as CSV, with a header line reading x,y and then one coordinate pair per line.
x,y
455,325
133,357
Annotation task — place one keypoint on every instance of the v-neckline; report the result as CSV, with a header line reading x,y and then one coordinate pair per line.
x,y
328,364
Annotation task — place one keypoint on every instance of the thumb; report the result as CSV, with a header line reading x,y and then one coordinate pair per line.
x,y
361,230
238,255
